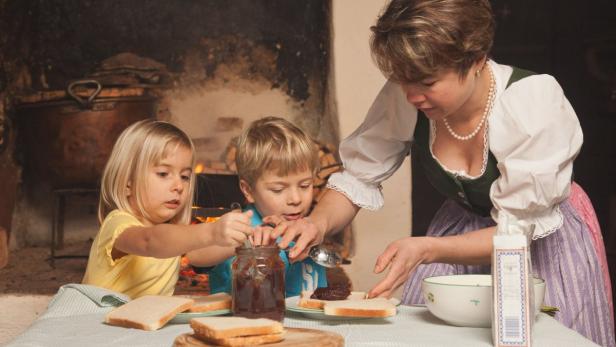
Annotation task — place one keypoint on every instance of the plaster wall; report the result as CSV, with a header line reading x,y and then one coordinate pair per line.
x,y
357,82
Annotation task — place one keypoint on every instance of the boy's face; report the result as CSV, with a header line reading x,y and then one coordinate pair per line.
x,y
287,196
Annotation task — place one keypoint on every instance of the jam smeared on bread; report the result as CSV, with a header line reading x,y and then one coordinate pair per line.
x,y
306,299
337,292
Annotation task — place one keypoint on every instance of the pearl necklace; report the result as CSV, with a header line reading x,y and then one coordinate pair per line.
x,y
486,112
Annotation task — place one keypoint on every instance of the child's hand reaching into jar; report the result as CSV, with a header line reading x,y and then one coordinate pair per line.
x,y
261,235
232,229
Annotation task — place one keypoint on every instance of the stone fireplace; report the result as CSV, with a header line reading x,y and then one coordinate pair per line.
x,y
225,65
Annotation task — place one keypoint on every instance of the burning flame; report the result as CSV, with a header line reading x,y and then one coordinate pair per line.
x,y
199,168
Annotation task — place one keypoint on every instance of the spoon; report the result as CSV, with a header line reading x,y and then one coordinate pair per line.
x,y
319,254
324,256
235,206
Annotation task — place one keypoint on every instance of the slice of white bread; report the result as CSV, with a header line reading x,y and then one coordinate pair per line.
x,y
191,340
246,340
226,327
306,302
377,307
148,312
218,301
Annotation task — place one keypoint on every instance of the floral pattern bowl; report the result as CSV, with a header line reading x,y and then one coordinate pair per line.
x,y
466,300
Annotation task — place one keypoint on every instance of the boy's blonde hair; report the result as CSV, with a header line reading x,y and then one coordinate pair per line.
x,y
141,146
273,143
416,39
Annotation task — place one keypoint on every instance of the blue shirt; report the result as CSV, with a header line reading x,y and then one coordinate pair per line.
x,y
304,275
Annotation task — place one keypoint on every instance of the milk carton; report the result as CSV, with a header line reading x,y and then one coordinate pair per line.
x,y
512,283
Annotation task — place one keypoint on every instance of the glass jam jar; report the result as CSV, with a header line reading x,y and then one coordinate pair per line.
x,y
258,289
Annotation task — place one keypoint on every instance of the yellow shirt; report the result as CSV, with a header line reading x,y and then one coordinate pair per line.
x,y
132,275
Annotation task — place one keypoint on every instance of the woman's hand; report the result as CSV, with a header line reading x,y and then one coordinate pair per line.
x,y
303,230
402,257
232,228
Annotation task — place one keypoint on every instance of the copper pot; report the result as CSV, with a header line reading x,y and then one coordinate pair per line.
x,y
69,141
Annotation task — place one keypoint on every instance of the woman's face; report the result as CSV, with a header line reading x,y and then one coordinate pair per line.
x,y
442,95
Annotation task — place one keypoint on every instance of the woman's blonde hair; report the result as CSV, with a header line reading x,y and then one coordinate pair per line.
x,y
415,39
140,147
273,143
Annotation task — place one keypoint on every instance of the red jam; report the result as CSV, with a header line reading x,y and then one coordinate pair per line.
x,y
335,292
258,283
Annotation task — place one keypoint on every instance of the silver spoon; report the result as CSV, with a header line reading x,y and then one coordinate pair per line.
x,y
324,256
319,254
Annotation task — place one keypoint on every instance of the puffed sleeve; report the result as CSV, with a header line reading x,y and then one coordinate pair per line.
x,y
376,149
535,135
113,226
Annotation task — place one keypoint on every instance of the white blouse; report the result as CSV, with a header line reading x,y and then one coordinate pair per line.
x,y
533,132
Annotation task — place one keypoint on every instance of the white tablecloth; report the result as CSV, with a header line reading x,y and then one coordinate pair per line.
x,y
75,318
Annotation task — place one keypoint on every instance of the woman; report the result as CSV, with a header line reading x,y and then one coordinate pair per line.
x,y
493,139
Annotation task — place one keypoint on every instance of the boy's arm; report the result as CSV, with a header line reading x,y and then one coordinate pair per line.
x,y
210,256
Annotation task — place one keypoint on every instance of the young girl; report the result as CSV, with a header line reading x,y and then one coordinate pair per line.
x,y
145,206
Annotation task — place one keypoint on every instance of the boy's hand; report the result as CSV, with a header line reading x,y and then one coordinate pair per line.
x,y
232,228
261,235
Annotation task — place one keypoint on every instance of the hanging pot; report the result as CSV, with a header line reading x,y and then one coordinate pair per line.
x,y
69,141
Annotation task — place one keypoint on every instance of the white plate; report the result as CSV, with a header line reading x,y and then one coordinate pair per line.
x,y
185,317
292,304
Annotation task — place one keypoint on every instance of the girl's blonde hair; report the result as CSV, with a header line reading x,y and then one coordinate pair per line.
x,y
140,147
416,39
273,143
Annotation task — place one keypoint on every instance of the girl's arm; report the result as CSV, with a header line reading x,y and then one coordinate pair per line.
x,y
171,240
210,256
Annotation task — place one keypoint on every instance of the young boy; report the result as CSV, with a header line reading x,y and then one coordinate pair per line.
x,y
276,164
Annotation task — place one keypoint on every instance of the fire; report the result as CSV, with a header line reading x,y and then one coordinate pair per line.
x,y
199,168
191,279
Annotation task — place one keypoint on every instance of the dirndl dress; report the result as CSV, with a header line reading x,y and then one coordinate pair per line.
x,y
571,259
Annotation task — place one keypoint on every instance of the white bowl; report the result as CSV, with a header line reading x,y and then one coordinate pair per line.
x,y
466,300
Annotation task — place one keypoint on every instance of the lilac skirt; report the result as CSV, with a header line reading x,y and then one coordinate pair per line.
x,y
566,259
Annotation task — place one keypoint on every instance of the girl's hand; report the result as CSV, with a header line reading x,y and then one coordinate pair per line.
x,y
232,228
402,257
302,230
261,235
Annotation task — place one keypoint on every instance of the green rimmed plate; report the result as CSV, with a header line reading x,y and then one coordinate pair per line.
x,y
185,317
292,305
